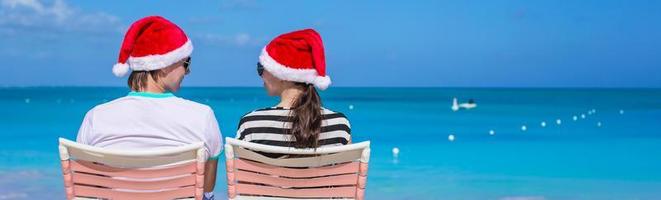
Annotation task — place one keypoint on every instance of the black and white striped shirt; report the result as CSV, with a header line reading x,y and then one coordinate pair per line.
x,y
270,126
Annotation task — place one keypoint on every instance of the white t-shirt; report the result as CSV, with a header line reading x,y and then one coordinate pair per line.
x,y
151,121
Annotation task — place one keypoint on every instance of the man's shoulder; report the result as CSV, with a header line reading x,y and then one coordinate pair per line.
x,y
195,106
177,103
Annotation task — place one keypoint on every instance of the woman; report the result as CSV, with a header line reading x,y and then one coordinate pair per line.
x,y
291,66
150,116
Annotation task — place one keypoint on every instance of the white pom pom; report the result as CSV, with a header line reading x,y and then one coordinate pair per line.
x,y
120,69
322,82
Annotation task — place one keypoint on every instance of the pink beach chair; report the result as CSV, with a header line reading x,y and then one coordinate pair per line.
x,y
325,173
97,173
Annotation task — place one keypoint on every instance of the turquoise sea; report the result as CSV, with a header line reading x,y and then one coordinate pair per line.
x,y
612,153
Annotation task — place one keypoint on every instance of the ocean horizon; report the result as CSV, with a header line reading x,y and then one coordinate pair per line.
x,y
518,143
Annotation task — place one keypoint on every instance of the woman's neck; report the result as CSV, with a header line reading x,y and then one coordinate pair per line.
x,y
289,96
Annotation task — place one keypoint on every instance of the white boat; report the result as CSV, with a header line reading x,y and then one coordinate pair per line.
x,y
456,106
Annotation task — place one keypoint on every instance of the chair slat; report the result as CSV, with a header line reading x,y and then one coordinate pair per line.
x,y
94,168
106,193
316,161
95,180
131,162
341,192
346,179
344,168
296,151
281,198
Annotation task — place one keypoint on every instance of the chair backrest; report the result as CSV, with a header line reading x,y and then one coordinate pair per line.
x,y
93,172
322,173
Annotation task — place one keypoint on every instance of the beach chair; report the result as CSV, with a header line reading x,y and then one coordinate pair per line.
x,y
96,173
325,173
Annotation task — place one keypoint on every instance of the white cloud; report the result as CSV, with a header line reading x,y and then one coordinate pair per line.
x,y
14,195
32,4
33,16
242,39
33,29
237,40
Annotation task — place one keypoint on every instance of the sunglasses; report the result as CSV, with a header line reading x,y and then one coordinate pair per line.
x,y
260,69
187,64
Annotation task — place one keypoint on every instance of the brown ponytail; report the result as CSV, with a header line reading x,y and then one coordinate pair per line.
x,y
306,118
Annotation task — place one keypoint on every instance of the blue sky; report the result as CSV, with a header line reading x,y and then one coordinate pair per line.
x,y
368,43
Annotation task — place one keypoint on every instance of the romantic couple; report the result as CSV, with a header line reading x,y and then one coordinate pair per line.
x,y
158,53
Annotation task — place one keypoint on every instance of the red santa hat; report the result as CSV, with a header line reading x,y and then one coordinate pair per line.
x,y
297,56
152,43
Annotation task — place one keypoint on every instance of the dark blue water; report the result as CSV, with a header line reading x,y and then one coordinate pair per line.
x,y
606,155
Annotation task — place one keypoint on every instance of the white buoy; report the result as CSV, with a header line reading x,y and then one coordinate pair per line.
x,y
351,107
451,138
574,118
598,124
558,121
543,124
621,112
27,100
582,116
395,152
524,128
492,132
